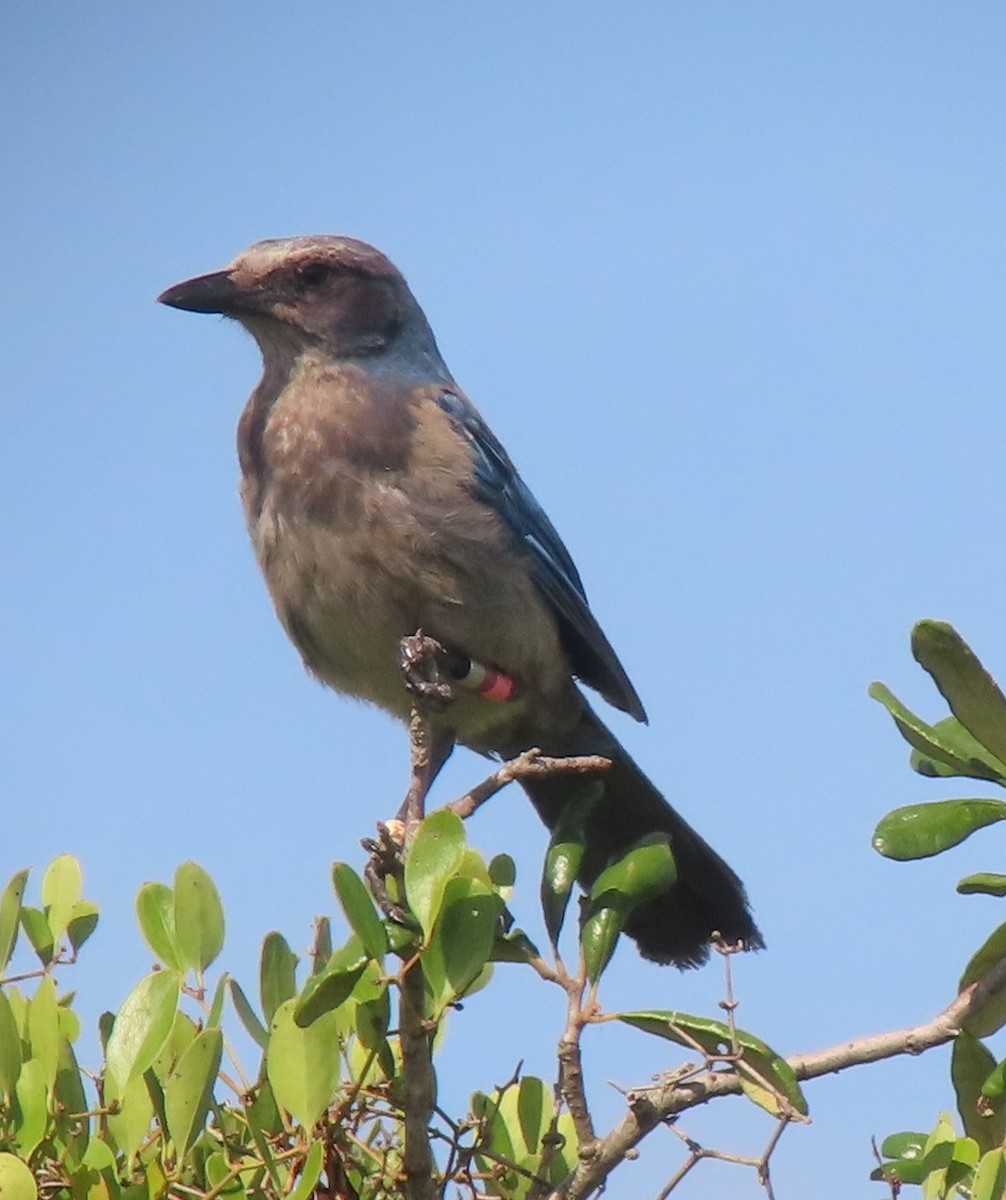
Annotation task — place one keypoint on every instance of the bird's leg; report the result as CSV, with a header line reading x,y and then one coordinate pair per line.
x,y
427,668
431,748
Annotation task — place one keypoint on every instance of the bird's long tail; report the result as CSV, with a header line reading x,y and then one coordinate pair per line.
x,y
708,897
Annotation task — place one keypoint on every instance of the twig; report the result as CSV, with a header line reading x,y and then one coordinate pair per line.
x,y
674,1096
550,1143
697,1153
678,1175
888,1176
529,765
764,1176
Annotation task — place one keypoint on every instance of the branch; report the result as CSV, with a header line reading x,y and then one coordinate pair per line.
x,y
420,1087
652,1106
529,765
571,1069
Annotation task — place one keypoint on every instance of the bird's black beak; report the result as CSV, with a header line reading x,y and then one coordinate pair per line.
x,y
216,293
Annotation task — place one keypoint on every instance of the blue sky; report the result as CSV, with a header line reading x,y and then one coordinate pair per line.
x,y
726,279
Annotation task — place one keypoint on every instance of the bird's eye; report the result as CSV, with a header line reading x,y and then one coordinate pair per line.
x,y
314,273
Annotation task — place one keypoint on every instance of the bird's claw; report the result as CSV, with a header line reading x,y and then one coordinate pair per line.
x,y
426,668
385,859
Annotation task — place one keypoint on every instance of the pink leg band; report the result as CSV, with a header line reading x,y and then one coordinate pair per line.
x,y
496,685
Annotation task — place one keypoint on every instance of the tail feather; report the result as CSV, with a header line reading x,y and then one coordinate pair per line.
x,y
677,926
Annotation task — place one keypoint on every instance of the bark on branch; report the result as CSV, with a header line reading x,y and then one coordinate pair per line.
x,y
651,1106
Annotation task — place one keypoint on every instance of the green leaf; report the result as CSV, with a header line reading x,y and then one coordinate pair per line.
x,y
564,856
321,950
909,1144
934,742
970,1066
494,1129
403,940
105,1022
515,947
10,1047
771,1083
130,1125
19,1007
216,1012
155,911
10,916
432,860
598,938
98,1156
922,830
373,1017
83,922
359,909
534,1112
69,1022
302,1063
277,978
641,872
183,1033
254,1027
264,1118
310,1174
473,866
982,883
43,1029
967,687
16,1180
972,759
221,1182
938,1156
963,1161
644,870
188,1090
36,927
142,1026
33,1101
61,887
69,1102
199,917
462,941
990,1177
503,871
520,1120
994,1088
992,1016
713,1039
331,988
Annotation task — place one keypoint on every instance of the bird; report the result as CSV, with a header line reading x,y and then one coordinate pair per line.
x,y
379,503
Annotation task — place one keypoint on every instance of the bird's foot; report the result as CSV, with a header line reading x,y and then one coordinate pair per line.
x,y
384,863
429,670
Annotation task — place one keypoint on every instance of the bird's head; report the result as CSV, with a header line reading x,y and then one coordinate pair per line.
x,y
335,292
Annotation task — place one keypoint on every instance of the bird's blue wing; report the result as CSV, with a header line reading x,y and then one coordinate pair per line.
x,y
552,568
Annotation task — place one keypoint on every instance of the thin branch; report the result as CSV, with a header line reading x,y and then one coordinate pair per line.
x,y
697,1153
551,1142
529,765
650,1107
889,1177
764,1174
678,1175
